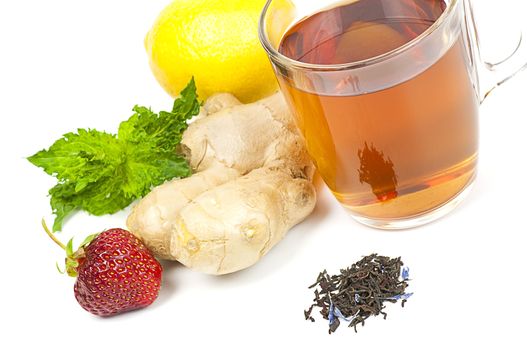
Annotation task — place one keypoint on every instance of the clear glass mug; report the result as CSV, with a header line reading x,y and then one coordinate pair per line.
x,y
395,137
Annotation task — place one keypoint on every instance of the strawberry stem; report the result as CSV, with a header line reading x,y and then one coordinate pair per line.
x,y
60,244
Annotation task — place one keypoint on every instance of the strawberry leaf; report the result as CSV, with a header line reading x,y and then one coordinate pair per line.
x,y
59,269
69,248
88,240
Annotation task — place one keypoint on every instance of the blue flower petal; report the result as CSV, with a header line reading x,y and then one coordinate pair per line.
x,y
405,273
331,314
339,314
405,296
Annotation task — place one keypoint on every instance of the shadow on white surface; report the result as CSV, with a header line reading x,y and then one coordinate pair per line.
x,y
169,283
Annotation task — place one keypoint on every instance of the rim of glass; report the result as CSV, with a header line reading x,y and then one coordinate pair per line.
x,y
273,53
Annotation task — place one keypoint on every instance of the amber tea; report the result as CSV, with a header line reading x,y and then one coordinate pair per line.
x,y
396,151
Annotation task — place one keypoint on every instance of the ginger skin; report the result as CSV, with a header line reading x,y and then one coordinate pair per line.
x,y
251,184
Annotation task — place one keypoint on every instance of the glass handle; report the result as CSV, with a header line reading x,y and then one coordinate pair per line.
x,y
493,74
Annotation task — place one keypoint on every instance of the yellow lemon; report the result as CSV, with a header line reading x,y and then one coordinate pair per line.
x,y
216,41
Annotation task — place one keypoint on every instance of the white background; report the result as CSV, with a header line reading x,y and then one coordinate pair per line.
x,y
71,64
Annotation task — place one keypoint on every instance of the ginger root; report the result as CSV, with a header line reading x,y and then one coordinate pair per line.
x,y
251,184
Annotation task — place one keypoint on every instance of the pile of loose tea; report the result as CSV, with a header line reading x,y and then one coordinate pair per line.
x,y
360,291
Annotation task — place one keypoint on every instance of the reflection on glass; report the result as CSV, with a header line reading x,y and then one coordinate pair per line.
x,y
377,172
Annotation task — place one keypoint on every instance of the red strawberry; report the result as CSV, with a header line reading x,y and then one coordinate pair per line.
x,y
115,272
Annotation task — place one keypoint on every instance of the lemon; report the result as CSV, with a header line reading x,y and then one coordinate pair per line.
x,y
216,41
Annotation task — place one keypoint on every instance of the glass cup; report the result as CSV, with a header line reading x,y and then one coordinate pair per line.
x,y
394,136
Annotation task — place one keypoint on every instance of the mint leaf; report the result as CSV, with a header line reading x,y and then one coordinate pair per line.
x,y
187,104
80,157
148,162
166,129
103,173
61,203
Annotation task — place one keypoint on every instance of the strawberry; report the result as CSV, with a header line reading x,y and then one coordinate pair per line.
x,y
115,272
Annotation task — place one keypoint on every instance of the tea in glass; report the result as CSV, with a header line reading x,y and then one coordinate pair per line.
x,y
388,150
